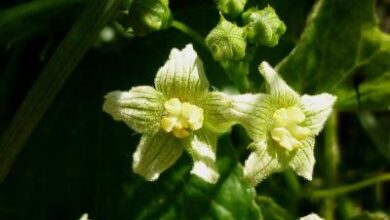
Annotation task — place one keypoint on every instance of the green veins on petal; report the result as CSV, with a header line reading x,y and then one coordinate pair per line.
x,y
283,125
155,153
179,114
182,76
139,108
182,114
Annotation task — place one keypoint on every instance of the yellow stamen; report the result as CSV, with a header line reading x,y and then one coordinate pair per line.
x,y
286,132
181,118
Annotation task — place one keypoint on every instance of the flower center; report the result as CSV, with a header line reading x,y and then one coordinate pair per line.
x,y
287,132
181,117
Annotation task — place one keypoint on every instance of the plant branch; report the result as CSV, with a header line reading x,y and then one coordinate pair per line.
x,y
189,31
61,65
350,188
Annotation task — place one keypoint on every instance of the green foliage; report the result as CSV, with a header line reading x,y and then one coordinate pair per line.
x,y
341,45
179,196
78,160
271,210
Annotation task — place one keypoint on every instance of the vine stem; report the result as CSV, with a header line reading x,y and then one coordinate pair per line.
x,y
54,75
351,188
332,158
189,31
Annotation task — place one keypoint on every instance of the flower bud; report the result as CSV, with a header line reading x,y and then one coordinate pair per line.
x,y
237,72
231,8
263,26
226,41
146,16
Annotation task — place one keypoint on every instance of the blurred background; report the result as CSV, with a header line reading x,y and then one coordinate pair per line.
x,y
78,160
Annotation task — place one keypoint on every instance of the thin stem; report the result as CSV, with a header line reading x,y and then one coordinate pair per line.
x,y
332,152
351,188
189,31
58,69
332,158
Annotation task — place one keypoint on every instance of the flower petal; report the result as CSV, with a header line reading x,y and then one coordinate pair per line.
x,y
317,109
253,112
302,161
156,153
278,89
182,75
311,216
140,108
261,163
202,148
216,106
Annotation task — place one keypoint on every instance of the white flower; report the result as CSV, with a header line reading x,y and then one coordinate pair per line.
x,y
179,113
283,126
312,216
84,217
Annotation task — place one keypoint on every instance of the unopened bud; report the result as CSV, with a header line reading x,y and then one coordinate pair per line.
x,y
263,26
226,41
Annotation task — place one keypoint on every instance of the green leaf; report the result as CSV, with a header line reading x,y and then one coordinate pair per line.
x,y
341,44
371,216
375,127
178,195
271,210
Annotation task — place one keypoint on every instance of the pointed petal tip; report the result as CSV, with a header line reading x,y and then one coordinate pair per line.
x,y
110,103
146,173
261,163
188,50
306,175
266,71
151,177
311,216
318,108
250,181
182,75
204,172
202,149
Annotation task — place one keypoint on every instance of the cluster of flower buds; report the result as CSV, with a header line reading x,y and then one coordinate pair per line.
x,y
232,45
180,114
